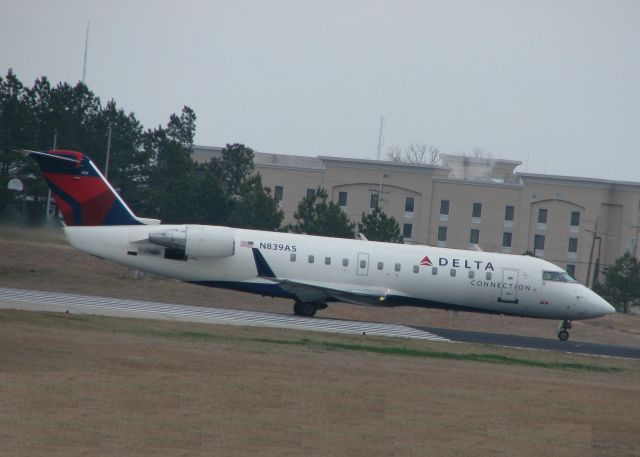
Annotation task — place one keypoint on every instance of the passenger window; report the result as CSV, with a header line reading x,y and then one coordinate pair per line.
x,y
452,272
416,268
397,267
292,257
363,264
345,262
310,259
472,274
434,270
327,260
488,276
380,265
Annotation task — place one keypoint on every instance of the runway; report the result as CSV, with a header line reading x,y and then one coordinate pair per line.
x,y
546,344
82,304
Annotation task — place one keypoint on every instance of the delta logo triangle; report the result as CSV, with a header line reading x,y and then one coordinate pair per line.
x,y
426,262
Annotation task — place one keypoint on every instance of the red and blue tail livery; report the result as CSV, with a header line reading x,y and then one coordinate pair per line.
x,y
82,193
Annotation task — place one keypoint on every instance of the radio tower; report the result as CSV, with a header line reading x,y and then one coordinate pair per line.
x,y
380,138
86,48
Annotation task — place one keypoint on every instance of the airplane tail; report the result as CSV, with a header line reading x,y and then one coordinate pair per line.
x,y
82,193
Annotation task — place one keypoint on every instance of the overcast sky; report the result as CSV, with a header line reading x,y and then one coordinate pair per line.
x,y
554,84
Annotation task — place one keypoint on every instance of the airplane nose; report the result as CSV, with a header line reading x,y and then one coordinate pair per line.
x,y
599,306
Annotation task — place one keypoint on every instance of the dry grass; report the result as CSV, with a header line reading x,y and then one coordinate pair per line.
x,y
87,385
93,385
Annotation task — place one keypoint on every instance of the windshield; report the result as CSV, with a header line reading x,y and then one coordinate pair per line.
x,y
561,276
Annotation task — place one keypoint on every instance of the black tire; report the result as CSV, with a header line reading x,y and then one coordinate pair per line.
x,y
563,335
297,308
306,309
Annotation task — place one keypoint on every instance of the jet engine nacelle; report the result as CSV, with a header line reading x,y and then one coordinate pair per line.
x,y
197,240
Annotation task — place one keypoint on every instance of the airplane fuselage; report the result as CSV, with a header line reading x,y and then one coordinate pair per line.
x,y
385,274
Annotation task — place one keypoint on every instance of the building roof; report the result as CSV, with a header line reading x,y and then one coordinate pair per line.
x,y
576,179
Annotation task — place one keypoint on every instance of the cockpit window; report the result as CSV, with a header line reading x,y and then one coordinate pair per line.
x,y
561,276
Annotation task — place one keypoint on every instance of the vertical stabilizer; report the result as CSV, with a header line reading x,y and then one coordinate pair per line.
x,y
82,193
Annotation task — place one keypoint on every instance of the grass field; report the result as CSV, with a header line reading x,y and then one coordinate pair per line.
x,y
87,385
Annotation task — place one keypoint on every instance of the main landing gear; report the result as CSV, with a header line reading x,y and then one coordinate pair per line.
x,y
563,330
307,309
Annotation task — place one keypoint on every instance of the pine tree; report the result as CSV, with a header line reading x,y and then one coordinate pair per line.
x,y
377,226
316,216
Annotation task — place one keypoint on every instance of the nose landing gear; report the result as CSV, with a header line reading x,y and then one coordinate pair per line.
x,y
563,330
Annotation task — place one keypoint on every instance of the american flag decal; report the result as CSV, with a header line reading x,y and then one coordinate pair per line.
x,y
426,262
246,244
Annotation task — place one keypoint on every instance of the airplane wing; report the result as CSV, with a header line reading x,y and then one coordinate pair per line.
x,y
308,291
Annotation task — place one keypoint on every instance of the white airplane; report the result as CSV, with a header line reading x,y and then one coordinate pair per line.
x,y
311,270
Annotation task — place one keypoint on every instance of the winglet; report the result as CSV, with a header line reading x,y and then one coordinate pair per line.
x,y
264,270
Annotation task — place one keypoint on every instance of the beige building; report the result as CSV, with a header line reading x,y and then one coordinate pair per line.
x,y
469,203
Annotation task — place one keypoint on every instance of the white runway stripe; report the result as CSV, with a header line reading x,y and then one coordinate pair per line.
x,y
12,298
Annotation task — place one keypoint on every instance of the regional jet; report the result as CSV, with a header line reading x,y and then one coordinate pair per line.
x,y
312,271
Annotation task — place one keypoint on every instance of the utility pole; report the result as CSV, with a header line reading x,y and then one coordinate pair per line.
x,y
46,210
635,242
593,245
106,166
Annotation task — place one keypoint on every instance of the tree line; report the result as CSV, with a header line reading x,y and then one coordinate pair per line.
x,y
151,168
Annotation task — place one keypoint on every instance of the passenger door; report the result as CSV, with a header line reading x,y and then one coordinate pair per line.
x,y
509,290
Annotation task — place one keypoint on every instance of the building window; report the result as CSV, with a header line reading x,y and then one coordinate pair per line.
x,y
345,262
409,205
573,245
310,192
373,201
342,199
538,245
444,207
406,231
477,211
327,260
542,216
506,239
575,219
509,213
292,257
474,236
571,269
380,265
442,233
278,193
310,259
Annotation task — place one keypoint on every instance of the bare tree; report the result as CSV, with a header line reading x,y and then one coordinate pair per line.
x,y
394,154
481,153
415,153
